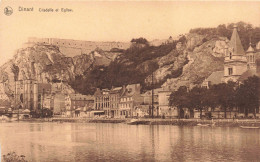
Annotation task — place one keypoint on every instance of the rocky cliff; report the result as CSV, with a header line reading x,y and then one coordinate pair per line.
x,y
47,64
189,64
202,61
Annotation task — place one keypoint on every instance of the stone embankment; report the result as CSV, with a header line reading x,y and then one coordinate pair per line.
x,y
199,122
177,122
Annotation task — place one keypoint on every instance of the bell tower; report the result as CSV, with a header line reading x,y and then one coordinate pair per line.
x,y
235,63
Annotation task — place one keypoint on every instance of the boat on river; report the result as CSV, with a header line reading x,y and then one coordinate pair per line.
x,y
132,121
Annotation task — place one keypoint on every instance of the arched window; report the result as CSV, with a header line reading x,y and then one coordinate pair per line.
x,y
251,58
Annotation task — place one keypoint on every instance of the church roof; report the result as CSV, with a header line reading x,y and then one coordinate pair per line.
x,y
247,74
215,77
236,43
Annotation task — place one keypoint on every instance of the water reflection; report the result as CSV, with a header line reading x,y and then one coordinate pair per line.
x,y
120,142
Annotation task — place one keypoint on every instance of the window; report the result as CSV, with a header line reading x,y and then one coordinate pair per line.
x,y
230,55
230,71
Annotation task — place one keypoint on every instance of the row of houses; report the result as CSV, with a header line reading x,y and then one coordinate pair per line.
x,y
127,101
117,102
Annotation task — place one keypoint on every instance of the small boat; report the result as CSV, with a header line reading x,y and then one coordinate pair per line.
x,y
12,119
249,127
132,121
203,125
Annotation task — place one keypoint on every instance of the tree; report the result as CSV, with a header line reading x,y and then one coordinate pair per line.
x,y
140,40
248,96
225,96
179,99
197,99
15,70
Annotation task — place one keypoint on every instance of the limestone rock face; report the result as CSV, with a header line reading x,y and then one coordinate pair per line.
x,y
202,62
190,64
45,63
187,65
82,63
194,40
219,49
169,66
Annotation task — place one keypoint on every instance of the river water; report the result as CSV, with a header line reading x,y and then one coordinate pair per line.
x,y
121,142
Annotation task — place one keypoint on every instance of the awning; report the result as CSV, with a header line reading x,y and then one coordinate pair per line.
x,y
97,111
78,109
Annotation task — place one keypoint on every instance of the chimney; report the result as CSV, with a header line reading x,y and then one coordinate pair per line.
x,y
124,88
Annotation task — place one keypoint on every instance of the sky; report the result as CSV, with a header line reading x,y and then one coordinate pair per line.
x,y
115,21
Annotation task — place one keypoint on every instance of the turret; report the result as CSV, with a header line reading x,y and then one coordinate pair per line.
x,y
250,55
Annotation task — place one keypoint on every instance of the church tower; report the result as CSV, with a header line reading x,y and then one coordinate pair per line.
x,y
235,63
250,55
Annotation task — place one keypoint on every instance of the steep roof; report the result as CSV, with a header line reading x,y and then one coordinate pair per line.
x,y
235,42
215,77
250,49
247,74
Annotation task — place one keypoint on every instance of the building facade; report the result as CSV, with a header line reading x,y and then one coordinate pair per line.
x,y
31,95
108,101
164,108
77,103
114,98
130,100
102,101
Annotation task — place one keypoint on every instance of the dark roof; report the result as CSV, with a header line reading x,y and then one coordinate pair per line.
x,y
236,43
81,97
247,74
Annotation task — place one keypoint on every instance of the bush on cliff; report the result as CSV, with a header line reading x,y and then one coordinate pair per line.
x,y
123,70
246,31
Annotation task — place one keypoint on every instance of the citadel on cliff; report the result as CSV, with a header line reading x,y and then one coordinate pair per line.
x,y
47,65
71,47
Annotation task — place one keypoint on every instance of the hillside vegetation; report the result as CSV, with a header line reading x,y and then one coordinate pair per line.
x,y
199,53
133,66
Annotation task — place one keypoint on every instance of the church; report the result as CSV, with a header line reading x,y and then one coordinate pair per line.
x,y
238,63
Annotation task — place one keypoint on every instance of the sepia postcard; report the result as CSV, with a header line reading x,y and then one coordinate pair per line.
x,y
147,81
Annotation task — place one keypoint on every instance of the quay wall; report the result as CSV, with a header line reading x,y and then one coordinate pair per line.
x,y
147,121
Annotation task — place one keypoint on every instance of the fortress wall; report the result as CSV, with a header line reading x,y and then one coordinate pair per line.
x,y
26,45
38,40
70,46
